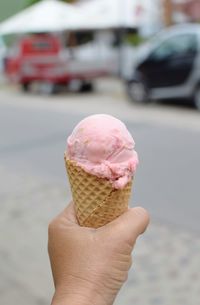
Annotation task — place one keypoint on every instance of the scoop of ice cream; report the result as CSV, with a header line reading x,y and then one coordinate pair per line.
x,y
102,146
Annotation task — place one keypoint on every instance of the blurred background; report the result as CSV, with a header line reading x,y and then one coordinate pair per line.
x,y
138,60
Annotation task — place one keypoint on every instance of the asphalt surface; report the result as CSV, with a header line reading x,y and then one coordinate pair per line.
x,y
33,138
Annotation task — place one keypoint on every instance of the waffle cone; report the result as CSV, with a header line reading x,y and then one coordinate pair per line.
x,y
96,201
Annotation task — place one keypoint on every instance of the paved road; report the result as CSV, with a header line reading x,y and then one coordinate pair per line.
x,y
34,130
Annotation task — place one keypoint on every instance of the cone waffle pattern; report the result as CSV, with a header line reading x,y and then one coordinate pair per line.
x,y
96,201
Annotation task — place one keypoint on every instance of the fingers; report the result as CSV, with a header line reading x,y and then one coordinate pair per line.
x,y
67,216
129,225
69,213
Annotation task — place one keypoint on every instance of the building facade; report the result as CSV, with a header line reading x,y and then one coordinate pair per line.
x,y
188,10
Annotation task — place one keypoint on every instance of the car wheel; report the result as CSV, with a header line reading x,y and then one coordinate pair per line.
x,y
137,92
86,87
25,87
197,98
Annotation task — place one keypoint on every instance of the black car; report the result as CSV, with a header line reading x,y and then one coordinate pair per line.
x,y
169,68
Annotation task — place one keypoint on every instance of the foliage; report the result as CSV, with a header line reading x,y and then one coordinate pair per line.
x,y
30,2
134,39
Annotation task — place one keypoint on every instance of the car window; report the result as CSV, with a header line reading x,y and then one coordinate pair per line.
x,y
185,44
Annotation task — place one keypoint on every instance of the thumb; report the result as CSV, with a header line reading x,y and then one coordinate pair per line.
x,y
130,224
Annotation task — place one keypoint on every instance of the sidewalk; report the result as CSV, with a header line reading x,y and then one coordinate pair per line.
x,y
166,261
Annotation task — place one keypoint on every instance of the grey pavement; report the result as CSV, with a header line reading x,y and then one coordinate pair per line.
x,y
34,189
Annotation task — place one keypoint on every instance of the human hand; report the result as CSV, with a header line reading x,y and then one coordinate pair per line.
x,y
91,265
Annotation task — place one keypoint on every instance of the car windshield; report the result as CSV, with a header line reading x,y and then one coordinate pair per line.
x,y
180,44
143,50
153,40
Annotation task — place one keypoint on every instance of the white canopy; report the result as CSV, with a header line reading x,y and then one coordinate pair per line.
x,y
54,15
45,16
101,14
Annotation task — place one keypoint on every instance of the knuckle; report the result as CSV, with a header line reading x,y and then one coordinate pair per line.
x,y
143,213
130,262
52,226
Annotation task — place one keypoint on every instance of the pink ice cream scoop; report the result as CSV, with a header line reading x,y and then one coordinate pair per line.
x,y
102,146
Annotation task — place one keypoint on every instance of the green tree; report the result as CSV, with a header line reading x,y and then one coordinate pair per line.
x,y
30,2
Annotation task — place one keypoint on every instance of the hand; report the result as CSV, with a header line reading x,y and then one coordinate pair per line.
x,y
90,265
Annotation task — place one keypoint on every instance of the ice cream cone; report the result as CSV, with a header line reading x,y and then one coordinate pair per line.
x,y
96,201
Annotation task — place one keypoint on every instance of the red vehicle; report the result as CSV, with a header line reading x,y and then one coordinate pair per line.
x,y
49,59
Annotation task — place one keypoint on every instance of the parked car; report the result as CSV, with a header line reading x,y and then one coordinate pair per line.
x,y
60,60
168,67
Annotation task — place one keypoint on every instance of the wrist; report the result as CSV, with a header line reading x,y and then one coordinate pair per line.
x,y
72,299
78,296
77,299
